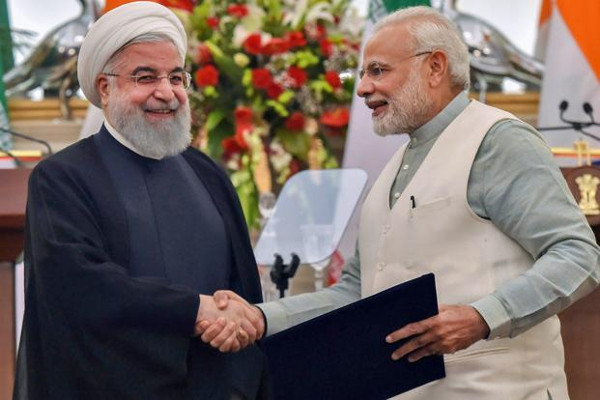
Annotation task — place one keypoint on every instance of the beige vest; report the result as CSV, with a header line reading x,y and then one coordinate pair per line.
x,y
470,258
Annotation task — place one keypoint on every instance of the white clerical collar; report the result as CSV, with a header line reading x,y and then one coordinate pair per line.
x,y
119,138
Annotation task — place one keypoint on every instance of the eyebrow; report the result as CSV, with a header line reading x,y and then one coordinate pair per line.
x,y
153,70
379,64
375,64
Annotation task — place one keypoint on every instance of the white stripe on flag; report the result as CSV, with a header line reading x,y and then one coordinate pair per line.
x,y
568,76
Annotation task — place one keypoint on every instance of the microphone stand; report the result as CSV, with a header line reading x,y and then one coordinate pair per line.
x,y
281,273
27,137
18,162
577,126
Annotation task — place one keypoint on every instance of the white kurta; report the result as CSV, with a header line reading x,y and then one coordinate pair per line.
x,y
470,258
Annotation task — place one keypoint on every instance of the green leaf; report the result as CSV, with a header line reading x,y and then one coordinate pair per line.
x,y
214,118
247,77
248,195
306,58
286,97
278,107
211,92
215,138
296,143
225,63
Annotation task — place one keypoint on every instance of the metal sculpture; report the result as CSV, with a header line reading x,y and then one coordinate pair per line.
x,y
492,56
53,64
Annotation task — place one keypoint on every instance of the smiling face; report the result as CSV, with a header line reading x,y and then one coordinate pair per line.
x,y
394,85
154,118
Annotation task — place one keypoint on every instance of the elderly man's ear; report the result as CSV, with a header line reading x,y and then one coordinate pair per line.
x,y
103,89
437,72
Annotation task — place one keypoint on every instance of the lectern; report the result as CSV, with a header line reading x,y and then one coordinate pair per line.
x,y
581,322
13,195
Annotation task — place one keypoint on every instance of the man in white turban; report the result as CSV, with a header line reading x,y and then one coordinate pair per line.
x,y
127,231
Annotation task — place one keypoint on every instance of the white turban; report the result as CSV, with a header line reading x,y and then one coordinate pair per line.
x,y
116,28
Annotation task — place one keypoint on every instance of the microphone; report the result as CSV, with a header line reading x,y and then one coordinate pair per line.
x,y
572,124
563,107
587,108
27,137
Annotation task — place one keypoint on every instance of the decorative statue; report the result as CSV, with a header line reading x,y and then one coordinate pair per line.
x,y
493,56
53,64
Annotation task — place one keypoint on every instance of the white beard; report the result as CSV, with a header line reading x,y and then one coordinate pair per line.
x,y
408,109
158,139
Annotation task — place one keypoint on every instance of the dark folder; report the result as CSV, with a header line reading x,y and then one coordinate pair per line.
x,y
343,354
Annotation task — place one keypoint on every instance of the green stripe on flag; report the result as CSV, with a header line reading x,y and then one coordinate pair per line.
x,y
6,51
380,8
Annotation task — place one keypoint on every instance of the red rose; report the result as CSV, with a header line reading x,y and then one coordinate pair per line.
x,y
237,10
242,115
326,47
240,130
230,147
207,76
298,75
295,39
212,22
261,78
276,46
252,44
203,55
274,90
295,122
337,118
333,78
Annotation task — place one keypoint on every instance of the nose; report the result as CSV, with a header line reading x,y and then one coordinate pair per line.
x,y
365,87
164,90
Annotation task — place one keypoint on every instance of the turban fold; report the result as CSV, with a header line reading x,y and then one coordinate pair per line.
x,y
115,29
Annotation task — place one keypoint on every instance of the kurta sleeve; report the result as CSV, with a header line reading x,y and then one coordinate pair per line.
x,y
524,194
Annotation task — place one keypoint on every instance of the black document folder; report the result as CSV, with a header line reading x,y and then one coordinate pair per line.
x,y
343,354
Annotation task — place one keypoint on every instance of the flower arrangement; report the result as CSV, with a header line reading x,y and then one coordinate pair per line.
x,y
273,81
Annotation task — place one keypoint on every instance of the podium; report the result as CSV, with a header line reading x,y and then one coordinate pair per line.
x,y
13,195
581,322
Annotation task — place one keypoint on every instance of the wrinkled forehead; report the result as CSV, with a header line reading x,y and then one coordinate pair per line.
x,y
156,53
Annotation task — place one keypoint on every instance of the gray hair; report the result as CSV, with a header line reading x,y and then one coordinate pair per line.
x,y
115,60
431,30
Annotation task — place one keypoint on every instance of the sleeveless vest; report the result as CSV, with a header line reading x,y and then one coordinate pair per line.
x,y
470,258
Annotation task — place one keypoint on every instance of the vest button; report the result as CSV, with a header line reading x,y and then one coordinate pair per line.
x,y
380,266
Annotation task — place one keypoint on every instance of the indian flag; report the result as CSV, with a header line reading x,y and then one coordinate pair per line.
x,y
571,30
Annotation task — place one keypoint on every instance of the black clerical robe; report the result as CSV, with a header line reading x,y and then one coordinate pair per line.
x,y
92,329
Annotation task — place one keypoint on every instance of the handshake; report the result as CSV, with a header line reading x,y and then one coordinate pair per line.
x,y
227,322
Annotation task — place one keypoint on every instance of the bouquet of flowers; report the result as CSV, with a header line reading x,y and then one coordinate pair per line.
x,y
273,82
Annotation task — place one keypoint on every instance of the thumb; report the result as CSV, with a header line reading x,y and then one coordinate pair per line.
x,y
221,298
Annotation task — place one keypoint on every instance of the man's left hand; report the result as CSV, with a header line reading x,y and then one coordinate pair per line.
x,y
454,328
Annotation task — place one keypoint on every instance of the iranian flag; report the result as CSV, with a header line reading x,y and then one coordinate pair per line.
x,y
570,31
